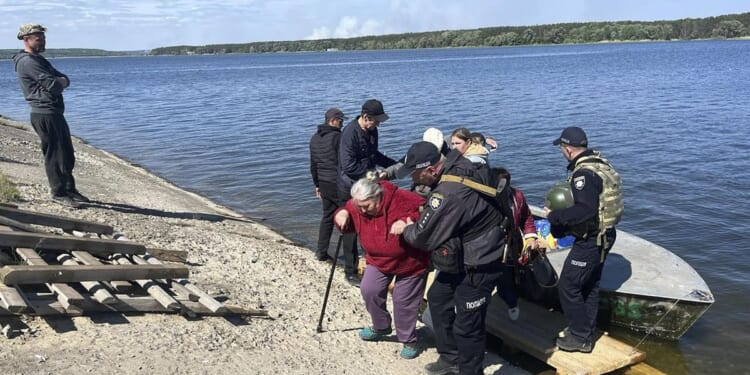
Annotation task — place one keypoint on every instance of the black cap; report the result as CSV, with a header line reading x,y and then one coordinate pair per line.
x,y
573,136
333,113
420,155
374,108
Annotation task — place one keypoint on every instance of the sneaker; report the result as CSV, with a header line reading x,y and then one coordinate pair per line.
x,y
409,351
441,367
353,280
571,343
514,312
78,197
65,201
372,334
322,257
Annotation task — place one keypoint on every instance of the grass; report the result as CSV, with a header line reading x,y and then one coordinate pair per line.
x,y
8,191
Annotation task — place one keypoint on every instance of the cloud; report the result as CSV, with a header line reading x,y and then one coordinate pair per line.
x,y
349,27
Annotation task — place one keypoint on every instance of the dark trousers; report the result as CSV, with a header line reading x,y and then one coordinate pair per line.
x,y
507,285
349,241
57,148
579,285
329,197
458,306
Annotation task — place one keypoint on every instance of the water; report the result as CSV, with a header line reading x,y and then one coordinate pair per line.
x,y
673,117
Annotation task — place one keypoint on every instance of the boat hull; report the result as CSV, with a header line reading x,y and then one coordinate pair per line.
x,y
666,319
645,287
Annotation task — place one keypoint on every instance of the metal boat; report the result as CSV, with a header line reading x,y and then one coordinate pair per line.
x,y
645,287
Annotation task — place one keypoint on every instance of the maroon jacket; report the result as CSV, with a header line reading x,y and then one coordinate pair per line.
x,y
388,253
522,214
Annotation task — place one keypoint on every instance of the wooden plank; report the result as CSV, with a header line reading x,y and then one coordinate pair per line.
x,y
11,224
16,275
151,286
45,304
11,299
120,286
204,298
64,223
169,255
96,288
535,332
68,296
177,288
641,368
63,243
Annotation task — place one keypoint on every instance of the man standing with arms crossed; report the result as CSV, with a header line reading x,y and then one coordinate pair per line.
x,y
42,87
597,207
358,153
461,226
324,163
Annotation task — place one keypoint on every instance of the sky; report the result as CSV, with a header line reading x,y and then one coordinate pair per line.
x,y
128,25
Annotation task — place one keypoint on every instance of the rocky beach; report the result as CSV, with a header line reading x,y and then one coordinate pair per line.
x,y
229,256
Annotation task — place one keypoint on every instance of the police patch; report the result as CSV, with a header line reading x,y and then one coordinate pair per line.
x,y
436,200
579,182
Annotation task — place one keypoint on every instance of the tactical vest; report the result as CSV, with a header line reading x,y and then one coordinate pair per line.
x,y
610,199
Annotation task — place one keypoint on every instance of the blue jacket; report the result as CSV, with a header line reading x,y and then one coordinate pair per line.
x,y
358,153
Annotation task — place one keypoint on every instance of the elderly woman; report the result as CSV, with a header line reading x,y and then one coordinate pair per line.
x,y
374,206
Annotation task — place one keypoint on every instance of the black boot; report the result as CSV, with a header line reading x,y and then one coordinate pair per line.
x,y
573,343
441,367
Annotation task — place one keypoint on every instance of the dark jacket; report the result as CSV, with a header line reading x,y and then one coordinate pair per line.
x,y
38,80
454,210
580,219
358,153
389,253
324,154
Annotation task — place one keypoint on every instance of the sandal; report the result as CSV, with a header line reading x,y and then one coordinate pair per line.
x,y
371,334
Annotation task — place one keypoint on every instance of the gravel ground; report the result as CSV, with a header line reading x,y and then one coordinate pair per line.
x,y
229,255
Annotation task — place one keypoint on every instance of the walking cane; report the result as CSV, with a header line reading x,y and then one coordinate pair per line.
x,y
328,287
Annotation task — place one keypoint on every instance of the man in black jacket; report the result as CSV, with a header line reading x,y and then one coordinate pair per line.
x,y
358,153
460,225
42,87
324,163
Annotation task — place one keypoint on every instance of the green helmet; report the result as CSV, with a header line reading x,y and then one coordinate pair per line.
x,y
559,196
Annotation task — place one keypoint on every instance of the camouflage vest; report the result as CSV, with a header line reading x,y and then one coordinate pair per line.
x,y
610,199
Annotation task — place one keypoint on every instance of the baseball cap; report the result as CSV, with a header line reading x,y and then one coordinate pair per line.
x,y
332,113
29,28
420,155
374,108
573,136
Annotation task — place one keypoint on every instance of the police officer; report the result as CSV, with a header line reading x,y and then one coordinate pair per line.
x,y
597,207
460,225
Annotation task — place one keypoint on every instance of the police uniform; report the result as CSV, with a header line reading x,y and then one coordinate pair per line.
x,y
579,280
458,218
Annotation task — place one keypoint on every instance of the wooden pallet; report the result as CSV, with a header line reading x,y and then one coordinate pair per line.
x,y
535,332
88,272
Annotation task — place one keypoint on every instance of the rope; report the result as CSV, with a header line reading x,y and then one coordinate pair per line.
x,y
676,301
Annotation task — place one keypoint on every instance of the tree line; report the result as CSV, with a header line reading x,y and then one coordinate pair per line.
x,y
721,27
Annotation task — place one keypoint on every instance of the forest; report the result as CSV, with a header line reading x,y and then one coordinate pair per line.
x,y
721,27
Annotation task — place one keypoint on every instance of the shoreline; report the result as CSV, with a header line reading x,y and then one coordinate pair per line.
x,y
229,255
